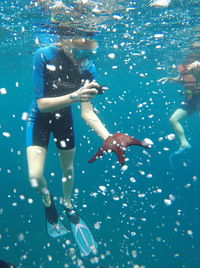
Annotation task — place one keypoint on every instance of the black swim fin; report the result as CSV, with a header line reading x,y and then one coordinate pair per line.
x,y
54,225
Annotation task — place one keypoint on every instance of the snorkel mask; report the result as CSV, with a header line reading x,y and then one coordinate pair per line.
x,y
81,54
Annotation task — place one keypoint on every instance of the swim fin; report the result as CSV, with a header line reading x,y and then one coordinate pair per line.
x,y
179,151
54,225
82,234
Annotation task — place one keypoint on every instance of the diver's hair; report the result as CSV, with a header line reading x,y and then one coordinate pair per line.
x,y
190,58
78,43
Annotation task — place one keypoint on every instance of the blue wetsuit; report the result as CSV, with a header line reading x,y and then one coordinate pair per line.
x,y
54,75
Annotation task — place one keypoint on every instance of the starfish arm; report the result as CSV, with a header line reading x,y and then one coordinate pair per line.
x,y
120,155
134,141
117,143
97,155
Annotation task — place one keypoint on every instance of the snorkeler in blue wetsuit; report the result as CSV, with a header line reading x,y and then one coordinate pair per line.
x,y
62,75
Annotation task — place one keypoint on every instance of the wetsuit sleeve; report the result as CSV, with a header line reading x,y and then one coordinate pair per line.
x,y
90,72
39,65
93,71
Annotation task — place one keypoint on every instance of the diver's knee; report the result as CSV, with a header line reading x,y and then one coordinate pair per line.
x,y
39,186
172,120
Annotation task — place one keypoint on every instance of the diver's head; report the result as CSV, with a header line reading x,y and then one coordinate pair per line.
x,y
81,48
84,48
194,68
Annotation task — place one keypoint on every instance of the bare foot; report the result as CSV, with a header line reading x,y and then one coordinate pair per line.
x,y
185,145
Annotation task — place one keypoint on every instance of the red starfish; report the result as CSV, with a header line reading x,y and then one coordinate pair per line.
x,y
117,143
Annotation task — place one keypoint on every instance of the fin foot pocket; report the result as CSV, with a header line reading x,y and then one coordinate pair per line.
x,y
51,212
56,230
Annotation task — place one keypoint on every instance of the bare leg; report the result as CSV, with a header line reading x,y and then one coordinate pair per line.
x,y
66,161
174,120
36,156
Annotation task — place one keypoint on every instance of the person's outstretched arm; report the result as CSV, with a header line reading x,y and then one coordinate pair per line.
x,y
92,120
170,79
116,142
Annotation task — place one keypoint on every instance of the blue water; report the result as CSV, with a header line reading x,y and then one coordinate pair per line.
x,y
136,227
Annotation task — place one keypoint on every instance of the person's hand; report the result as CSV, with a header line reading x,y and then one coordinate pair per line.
x,y
164,80
101,89
118,143
86,93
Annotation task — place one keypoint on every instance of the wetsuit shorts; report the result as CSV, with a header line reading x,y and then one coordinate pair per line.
x,y
191,106
41,125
